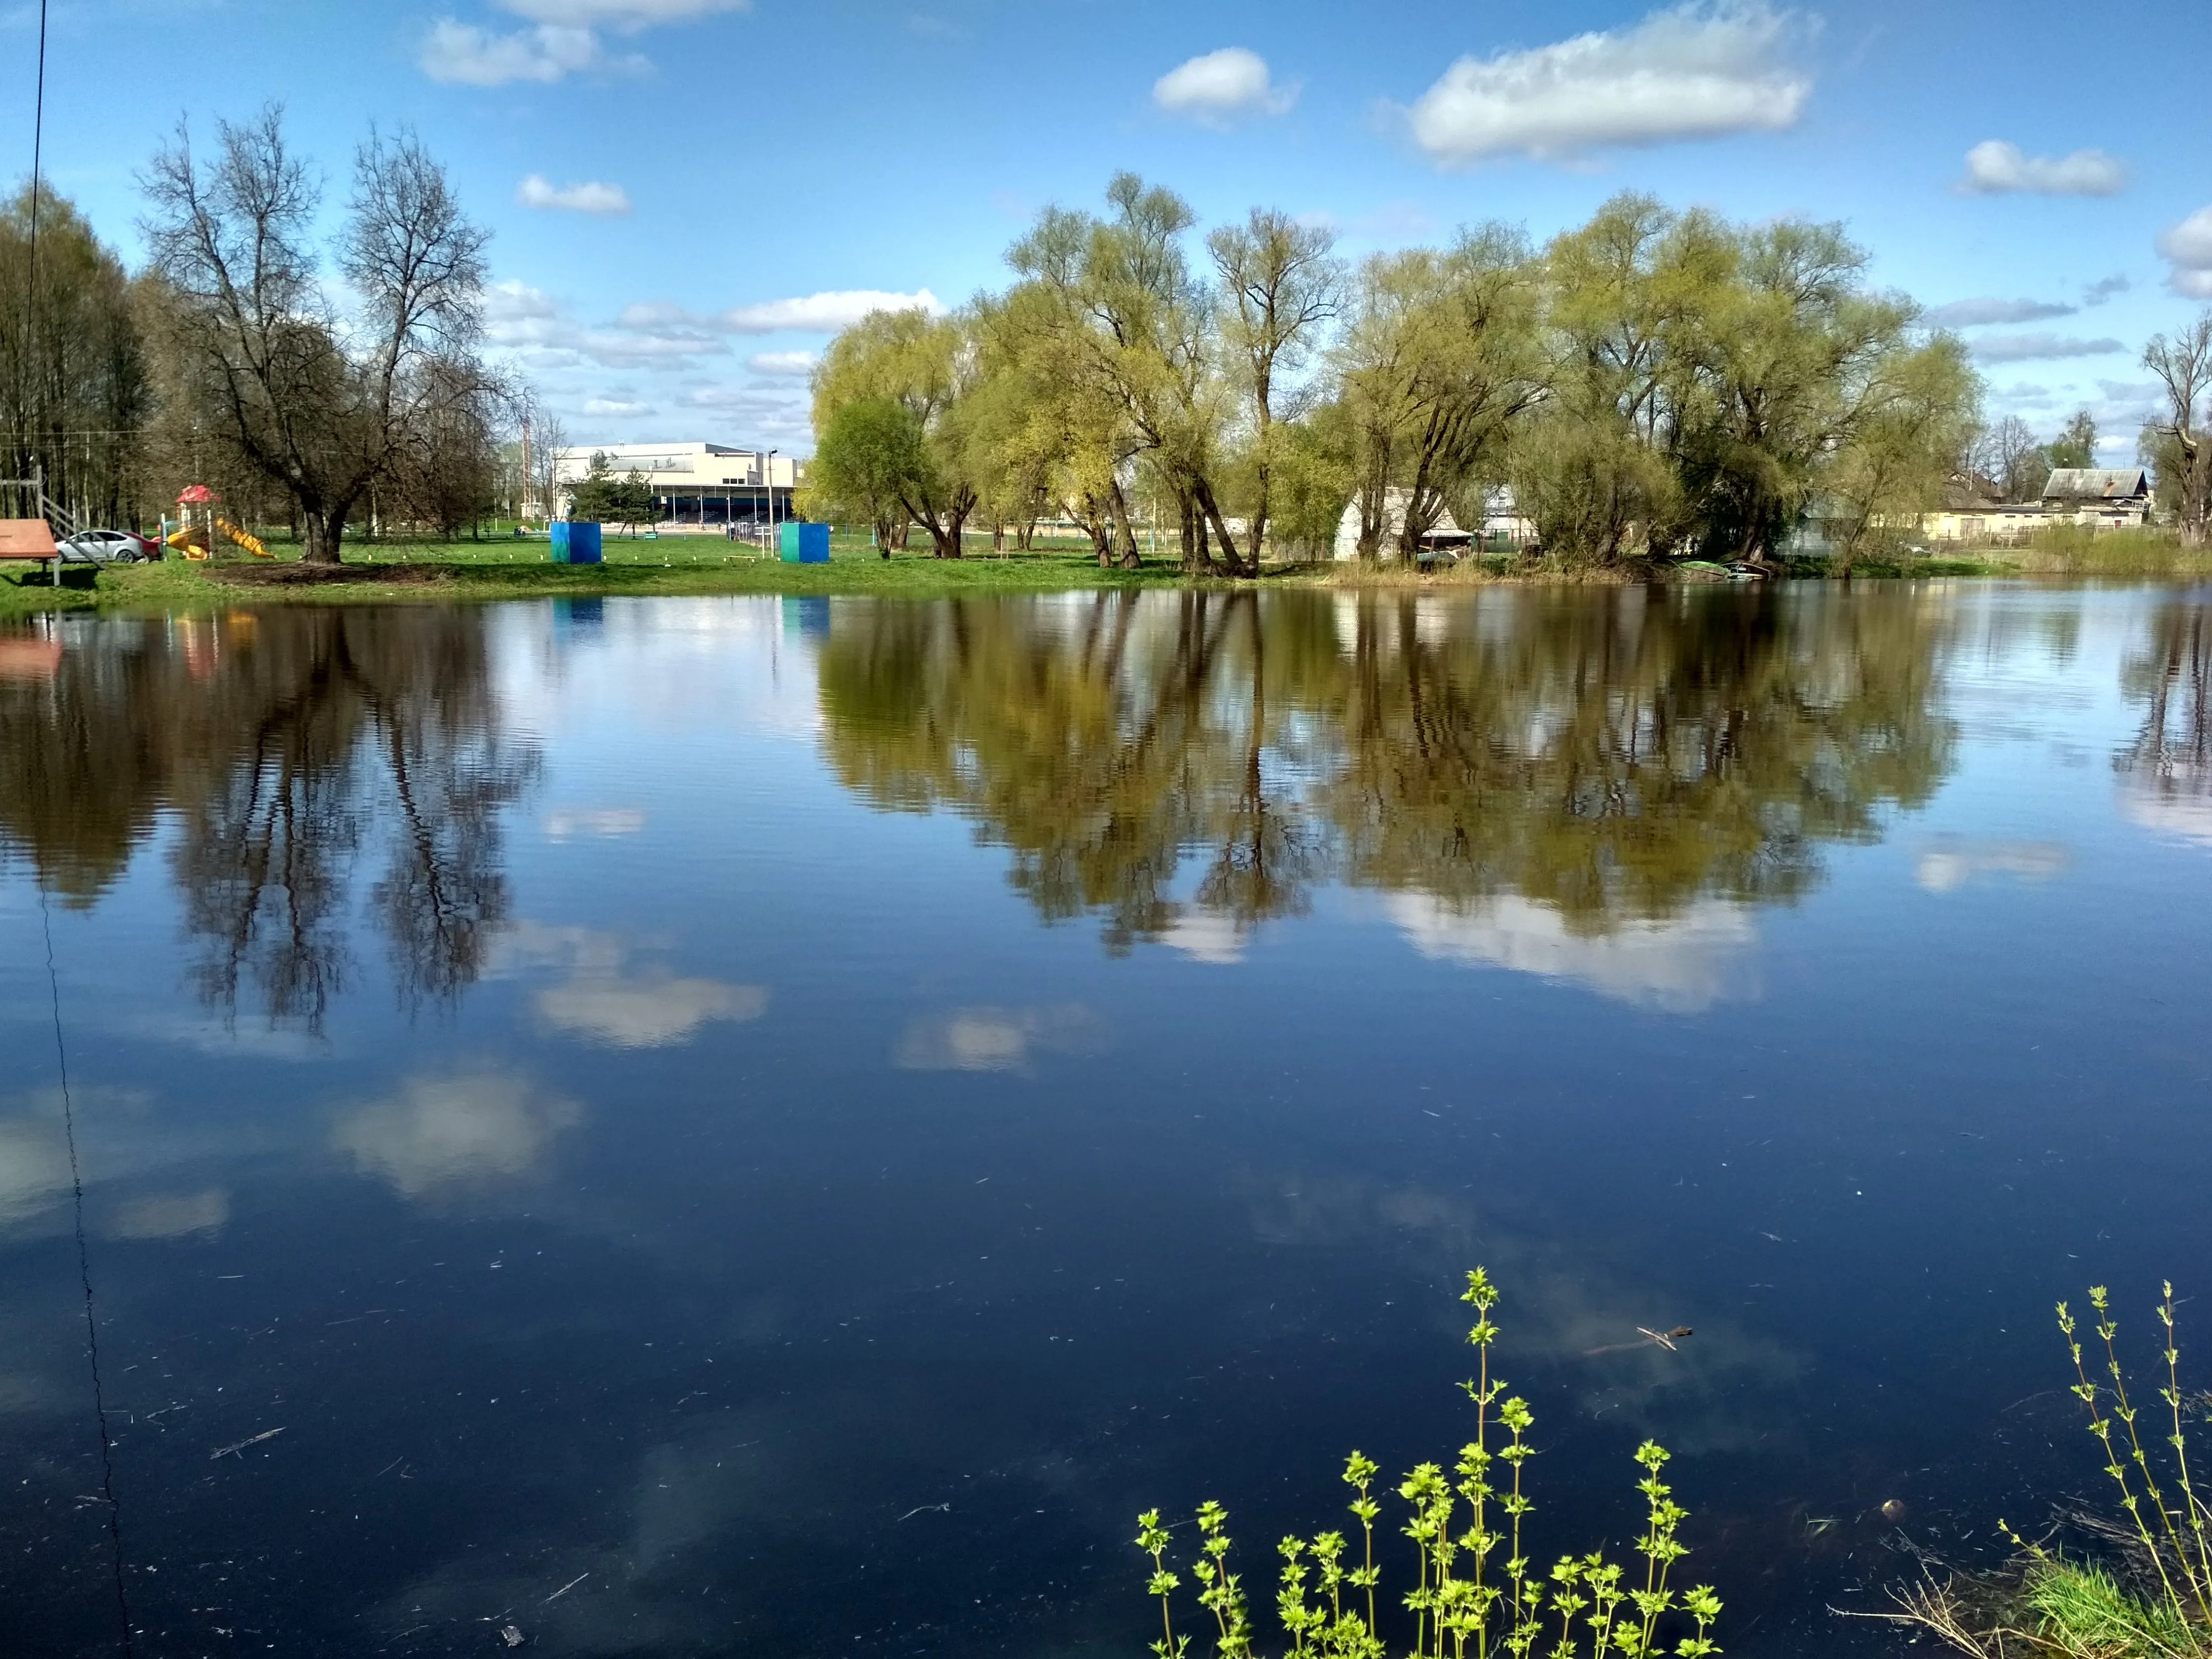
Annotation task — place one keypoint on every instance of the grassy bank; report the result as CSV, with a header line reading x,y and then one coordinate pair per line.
x,y
387,572
692,565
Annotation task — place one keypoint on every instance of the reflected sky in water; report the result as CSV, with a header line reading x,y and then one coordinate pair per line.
x,y
742,1125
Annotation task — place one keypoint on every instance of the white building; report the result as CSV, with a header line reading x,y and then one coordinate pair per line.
x,y
696,485
1444,533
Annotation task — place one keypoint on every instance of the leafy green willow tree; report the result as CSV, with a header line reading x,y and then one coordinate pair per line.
x,y
862,460
927,368
1439,357
1788,360
1131,327
1652,383
1278,286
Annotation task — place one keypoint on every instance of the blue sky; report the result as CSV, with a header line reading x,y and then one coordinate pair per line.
x,y
687,194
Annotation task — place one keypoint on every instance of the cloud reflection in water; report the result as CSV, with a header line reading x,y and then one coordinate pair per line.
x,y
455,1130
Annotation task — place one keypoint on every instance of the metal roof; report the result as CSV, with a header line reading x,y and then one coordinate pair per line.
x,y
2100,482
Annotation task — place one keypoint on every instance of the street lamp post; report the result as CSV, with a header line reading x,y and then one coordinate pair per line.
x,y
768,477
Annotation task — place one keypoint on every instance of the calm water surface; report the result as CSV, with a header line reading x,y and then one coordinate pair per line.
x,y
757,1127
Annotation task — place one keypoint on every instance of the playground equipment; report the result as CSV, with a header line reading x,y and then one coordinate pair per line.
x,y
195,539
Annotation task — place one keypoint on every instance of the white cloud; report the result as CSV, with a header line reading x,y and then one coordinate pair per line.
x,y
603,1002
34,1165
590,197
996,1039
1206,938
2178,806
463,54
2187,247
1683,964
618,409
534,324
624,17
1973,313
1995,167
780,363
602,823
2103,288
646,1013
170,1215
1951,862
563,41
2034,347
442,1132
1695,71
1223,86
810,313
825,314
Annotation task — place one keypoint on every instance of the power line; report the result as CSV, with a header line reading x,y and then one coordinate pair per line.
x,y
84,1280
38,156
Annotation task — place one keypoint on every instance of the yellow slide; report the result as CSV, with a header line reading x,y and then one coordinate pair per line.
x,y
250,544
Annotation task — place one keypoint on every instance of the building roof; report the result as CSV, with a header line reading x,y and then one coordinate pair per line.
x,y
1970,492
2108,483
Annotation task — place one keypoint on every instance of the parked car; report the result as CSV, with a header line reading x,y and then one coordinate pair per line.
x,y
104,547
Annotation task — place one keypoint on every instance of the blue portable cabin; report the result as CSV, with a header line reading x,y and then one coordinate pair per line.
x,y
803,543
574,541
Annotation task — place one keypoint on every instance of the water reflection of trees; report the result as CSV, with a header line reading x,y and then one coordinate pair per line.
x,y
288,745
2168,770
2172,677
1613,756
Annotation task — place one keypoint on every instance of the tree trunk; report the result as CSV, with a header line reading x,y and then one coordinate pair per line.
x,y
1235,563
1128,559
1197,558
321,531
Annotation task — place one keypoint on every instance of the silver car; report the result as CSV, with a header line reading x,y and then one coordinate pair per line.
x,y
104,547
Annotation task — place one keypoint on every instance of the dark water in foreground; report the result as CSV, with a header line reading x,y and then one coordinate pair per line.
x,y
702,1126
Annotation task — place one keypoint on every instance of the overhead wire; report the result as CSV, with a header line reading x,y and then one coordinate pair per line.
x,y
84,1282
54,983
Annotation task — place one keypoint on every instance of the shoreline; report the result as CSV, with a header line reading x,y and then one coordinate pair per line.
x,y
438,574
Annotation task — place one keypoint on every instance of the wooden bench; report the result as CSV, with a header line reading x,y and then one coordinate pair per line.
x,y
31,540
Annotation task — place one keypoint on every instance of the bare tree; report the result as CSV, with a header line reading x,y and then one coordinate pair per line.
x,y
548,438
321,399
2184,365
2012,461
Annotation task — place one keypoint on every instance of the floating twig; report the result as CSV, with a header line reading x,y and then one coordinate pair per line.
x,y
565,1588
253,1440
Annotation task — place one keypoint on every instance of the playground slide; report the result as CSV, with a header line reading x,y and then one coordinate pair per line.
x,y
251,543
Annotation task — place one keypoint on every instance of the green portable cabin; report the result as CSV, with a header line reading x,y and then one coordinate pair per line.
x,y
803,543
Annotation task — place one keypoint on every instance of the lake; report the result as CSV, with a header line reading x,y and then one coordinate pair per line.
x,y
777,1126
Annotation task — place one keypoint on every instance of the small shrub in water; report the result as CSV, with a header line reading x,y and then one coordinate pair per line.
x,y
2158,1605
1468,1601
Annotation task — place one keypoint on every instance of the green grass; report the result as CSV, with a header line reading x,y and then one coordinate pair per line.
x,y
499,567
2074,550
500,570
